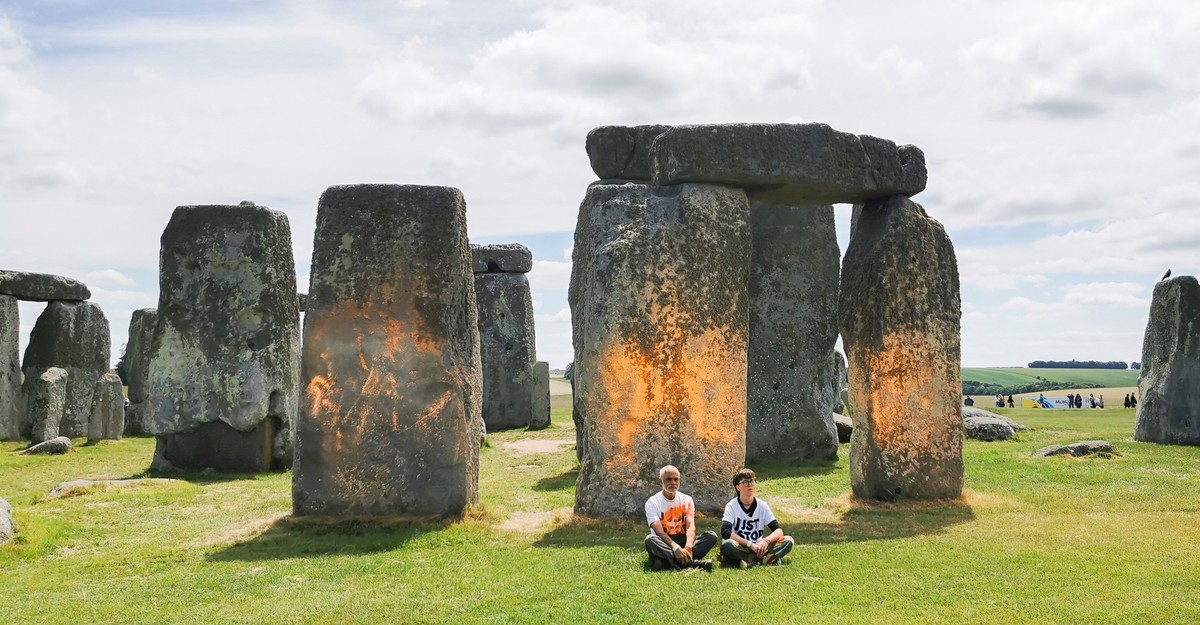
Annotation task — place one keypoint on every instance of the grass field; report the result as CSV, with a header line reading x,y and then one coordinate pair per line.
x,y
1010,376
1058,540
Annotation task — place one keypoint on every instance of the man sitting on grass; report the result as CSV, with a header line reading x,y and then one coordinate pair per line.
x,y
742,527
672,543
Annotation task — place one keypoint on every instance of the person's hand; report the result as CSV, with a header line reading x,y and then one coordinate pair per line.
x,y
759,548
683,555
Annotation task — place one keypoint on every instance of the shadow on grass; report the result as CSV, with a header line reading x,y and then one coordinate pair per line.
x,y
861,522
559,482
196,477
779,470
289,537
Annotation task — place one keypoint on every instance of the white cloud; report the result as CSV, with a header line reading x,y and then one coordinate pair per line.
x,y
107,278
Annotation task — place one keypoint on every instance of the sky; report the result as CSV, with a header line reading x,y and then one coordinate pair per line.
x,y
1062,138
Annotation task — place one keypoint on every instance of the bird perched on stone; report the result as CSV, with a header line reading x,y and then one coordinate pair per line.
x,y
1167,275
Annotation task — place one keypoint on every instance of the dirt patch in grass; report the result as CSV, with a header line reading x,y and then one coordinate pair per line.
x,y
537,446
242,532
537,522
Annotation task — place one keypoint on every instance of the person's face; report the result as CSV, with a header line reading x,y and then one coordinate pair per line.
x,y
670,483
746,488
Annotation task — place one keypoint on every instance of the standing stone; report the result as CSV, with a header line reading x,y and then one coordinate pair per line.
x,y
10,369
108,410
506,336
839,381
899,316
222,387
137,366
390,423
73,336
7,528
793,292
540,414
659,317
1168,410
45,396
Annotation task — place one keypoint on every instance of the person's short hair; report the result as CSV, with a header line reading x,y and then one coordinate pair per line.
x,y
663,471
741,476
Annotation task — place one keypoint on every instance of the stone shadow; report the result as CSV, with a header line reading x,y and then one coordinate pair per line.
x,y
290,537
778,470
562,481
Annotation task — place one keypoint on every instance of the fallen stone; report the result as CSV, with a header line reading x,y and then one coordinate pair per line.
x,y
972,411
42,287
794,164
900,311
793,294
539,418
506,349
660,321
10,369
987,429
75,488
60,445
45,396
391,422
137,366
501,258
7,527
845,427
622,151
227,340
1168,410
107,422
73,336
1082,448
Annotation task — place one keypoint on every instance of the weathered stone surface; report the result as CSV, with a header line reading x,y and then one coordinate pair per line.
x,y
788,163
10,369
41,287
660,322
971,411
73,336
987,429
845,427
622,151
899,317
1168,410
7,527
137,366
75,488
302,300
1082,448
45,396
839,381
793,293
108,410
227,340
58,445
506,349
390,423
539,417
219,447
501,258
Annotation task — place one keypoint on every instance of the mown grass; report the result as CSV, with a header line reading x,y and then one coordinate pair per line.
x,y
1013,376
1056,540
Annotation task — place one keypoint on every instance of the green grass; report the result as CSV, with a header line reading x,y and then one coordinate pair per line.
x,y
1011,376
1086,540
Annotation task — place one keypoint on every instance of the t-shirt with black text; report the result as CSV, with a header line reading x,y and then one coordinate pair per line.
x,y
749,523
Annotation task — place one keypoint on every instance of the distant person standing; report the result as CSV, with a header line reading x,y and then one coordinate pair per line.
x,y
968,401
1010,401
1101,402
1126,400
1133,400
1091,400
1078,400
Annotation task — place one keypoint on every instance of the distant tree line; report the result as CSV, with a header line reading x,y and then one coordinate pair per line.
x,y
1078,364
987,388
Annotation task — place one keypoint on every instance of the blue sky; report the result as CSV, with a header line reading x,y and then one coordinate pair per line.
x,y
1063,139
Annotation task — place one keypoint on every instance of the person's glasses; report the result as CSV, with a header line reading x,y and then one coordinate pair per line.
x,y
745,482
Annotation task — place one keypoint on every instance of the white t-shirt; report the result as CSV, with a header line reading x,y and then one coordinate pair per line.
x,y
750,525
672,513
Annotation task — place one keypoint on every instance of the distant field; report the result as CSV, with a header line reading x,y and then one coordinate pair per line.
x,y
1009,376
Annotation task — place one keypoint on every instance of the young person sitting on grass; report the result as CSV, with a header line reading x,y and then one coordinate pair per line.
x,y
744,523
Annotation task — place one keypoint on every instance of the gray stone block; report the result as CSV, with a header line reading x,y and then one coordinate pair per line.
x,y
217,446
840,380
660,322
539,418
622,151
793,294
73,336
1082,448
1168,410
137,366
506,348
10,369
42,287
788,163
987,429
391,420
845,427
971,411
227,340
7,527
501,258
899,318
45,396
107,422
52,447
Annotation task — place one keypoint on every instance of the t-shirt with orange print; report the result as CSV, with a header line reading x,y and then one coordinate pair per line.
x,y
674,514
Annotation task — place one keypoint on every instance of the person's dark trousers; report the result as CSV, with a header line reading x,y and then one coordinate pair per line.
x,y
660,550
